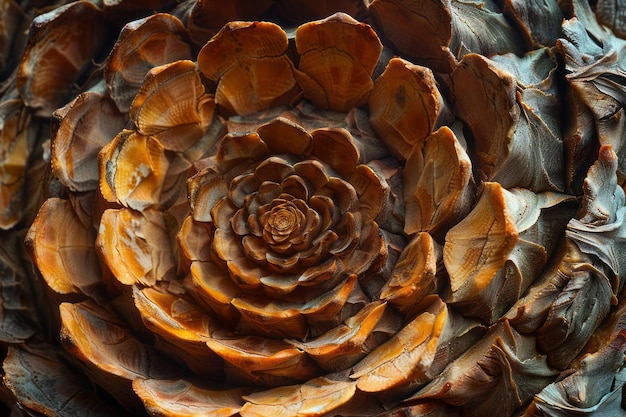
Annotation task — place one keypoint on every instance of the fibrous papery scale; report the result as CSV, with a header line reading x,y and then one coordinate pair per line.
x,y
295,208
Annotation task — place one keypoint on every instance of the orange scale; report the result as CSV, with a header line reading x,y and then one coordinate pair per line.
x,y
405,105
344,33
133,169
313,172
319,249
349,232
283,136
279,285
242,186
136,246
300,241
237,148
369,255
337,148
343,194
257,84
172,97
245,273
255,225
281,264
296,187
213,287
372,190
63,249
256,314
343,346
320,274
204,190
222,213
337,57
226,244
273,169
254,248
237,41
85,125
312,224
331,79
239,222
268,191
194,241
143,43
326,311
181,326
324,206
178,397
259,357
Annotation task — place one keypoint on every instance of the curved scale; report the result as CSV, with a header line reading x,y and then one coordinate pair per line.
x,y
141,45
85,125
405,106
49,67
337,57
136,246
63,249
182,398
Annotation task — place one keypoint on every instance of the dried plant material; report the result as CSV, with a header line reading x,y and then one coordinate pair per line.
x,y
508,104
611,15
443,31
495,376
290,220
181,327
266,361
337,57
439,189
406,106
595,74
60,48
419,351
111,355
46,383
180,398
180,127
495,253
414,275
257,76
567,304
82,128
539,20
143,44
318,396
344,345
63,249
16,146
136,246
594,388
134,172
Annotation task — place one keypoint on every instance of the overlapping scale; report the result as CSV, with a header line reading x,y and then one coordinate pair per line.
x,y
248,62
143,44
83,127
337,58
62,44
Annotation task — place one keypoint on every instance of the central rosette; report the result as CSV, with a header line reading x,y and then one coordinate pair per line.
x,y
283,223
296,223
